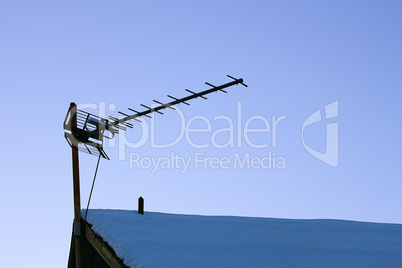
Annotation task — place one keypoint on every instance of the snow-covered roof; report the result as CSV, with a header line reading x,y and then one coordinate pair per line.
x,y
170,240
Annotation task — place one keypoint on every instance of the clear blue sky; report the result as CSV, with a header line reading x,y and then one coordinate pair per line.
x,y
297,57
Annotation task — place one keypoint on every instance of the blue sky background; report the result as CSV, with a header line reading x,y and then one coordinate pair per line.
x,y
296,57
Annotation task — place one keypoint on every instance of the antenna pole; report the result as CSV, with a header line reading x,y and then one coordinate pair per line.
x,y
76,189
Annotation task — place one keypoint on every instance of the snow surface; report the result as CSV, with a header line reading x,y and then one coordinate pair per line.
x,y
170,240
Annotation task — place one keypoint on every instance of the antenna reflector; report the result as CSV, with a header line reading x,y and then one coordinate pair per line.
x,y
113,118
126,124
120,127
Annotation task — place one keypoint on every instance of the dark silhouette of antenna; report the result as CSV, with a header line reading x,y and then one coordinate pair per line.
x,y
88,132
85,131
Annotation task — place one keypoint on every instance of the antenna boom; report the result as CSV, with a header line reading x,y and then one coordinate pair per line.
x,y
178,101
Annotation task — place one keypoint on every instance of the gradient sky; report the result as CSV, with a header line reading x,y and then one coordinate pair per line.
x,y
296,56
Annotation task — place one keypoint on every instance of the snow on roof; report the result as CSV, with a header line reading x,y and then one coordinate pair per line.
x,y
170,240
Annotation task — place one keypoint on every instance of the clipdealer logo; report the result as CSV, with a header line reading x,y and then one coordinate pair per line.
x,y
239,132
202,161
331,154
254,132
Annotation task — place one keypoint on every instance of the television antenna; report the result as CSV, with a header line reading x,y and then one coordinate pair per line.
x,y
86,132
